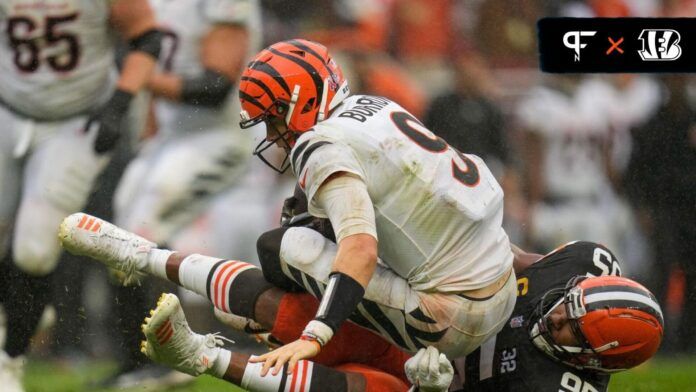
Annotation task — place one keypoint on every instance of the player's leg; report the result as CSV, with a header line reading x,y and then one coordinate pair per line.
x,y
58,174
411,319
232,286
170,341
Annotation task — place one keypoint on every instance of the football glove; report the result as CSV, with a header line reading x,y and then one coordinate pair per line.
x,y
429,370
108,119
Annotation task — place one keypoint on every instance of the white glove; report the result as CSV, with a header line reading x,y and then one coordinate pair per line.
x,y
430,370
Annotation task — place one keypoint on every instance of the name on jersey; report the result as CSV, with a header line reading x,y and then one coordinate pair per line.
x,y
366,107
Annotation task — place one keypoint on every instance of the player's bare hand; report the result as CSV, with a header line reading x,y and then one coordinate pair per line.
x,y
290,354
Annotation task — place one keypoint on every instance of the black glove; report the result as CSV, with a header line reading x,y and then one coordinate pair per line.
x,y
109,118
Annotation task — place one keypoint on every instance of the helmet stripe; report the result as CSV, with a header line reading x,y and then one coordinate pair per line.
x,y
262,85
252,100
619,299
298,44
614,288
309,68
267,69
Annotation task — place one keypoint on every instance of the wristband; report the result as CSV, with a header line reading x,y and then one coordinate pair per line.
x,y
341,297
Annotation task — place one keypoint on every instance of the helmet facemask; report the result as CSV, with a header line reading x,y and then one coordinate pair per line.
x,y
582,356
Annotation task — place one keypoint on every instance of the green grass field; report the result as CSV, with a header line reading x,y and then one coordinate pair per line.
x,y
659,375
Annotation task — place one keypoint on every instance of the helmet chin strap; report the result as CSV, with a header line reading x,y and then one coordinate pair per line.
x,y
293,103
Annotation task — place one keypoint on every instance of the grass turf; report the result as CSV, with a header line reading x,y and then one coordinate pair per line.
x,y
659,375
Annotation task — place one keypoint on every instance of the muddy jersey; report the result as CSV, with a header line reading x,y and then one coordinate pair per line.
x,y
510,361
438,212
56,56
186,23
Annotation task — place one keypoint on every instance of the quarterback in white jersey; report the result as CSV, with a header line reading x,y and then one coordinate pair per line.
x,y
62,103
198,151
445,265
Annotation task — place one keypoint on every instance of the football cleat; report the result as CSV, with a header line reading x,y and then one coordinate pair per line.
x,y
84,235
170,341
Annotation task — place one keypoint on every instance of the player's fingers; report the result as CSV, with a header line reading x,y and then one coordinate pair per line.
x,y
444,363
433,361
279,364
267,365
258,358
423,363
292,363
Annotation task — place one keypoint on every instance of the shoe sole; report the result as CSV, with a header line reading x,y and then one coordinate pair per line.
x,y
157,327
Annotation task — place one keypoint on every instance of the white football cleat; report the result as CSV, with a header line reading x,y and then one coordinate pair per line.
x,y
11,372
85,235
171,342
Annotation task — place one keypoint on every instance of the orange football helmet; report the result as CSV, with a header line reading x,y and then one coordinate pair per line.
x,y
618,322
295,80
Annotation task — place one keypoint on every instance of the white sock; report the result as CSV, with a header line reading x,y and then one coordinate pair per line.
x,y
157,262
194,271
253,382
211,277
221,363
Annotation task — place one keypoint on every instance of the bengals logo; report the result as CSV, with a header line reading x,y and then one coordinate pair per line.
x,y
660,45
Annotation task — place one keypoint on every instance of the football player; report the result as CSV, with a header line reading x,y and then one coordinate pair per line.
x,y
572,324
198,150
446,275
62,103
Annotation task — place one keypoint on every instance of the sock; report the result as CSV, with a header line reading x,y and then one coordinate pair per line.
x,y
157,262
307,377
221,363
24,306
232,286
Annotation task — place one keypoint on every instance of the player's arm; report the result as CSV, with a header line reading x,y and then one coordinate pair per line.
x,y
136,23
223,51
345,200
523,259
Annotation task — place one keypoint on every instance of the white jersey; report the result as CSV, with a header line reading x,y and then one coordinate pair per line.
x,y
186,22
574,130
56,58
438,212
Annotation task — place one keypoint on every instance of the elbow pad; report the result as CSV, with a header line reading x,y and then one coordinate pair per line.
x,y
149,42
210,89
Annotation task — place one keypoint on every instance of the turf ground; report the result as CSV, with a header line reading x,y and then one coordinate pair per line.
x,y
659,375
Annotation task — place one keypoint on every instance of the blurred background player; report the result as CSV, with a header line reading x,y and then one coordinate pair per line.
x,y
198,152
62,106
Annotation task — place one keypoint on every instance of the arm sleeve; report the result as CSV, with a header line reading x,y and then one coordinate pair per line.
x,y
347,203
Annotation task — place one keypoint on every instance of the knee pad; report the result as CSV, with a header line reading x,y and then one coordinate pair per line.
x,y
301,246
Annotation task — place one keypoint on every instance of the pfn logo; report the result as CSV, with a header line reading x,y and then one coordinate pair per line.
x,y
659,45
571,40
